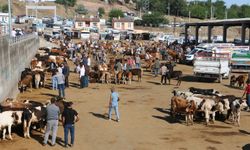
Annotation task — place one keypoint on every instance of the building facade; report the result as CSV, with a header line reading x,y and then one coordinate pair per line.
x,y
123,23
87,22
4,21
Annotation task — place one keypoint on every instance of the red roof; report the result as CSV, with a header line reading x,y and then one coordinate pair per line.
x,y
122,20
87,20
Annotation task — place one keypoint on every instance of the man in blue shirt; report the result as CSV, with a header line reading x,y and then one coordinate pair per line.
x,y
113,104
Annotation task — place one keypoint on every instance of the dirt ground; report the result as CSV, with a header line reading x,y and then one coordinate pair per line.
x,y
145,122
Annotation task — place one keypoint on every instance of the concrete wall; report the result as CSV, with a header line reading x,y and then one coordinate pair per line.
x,y
15,55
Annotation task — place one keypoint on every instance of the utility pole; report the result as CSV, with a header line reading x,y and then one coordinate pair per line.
x,y
168,7
10,20
211,10
226,13
189,15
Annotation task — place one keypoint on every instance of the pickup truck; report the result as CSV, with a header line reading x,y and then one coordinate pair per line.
x,y
212,66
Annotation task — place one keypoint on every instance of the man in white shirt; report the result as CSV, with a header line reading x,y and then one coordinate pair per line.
x,y
163,71
13,33
82,74
88,61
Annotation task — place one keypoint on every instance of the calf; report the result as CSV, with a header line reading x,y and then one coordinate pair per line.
x,y
7,119
138,72
34,114
235,109
241,80
180,105
25,82
210,107
203,91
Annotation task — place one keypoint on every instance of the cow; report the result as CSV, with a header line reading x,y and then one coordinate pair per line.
x,y
241,80
180,105
210,107
232,80
235,110
7,119
203,91
35,114
138,72
25,82
175,74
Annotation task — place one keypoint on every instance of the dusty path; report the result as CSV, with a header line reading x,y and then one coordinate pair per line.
x,y
145,122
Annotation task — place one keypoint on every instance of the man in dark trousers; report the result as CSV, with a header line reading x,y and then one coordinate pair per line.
x,y
66,72
69,117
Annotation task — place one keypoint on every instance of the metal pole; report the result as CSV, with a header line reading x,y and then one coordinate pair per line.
x,y
10,20
169,8
189,15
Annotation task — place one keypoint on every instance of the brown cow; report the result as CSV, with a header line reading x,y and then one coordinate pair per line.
x,y
241,80
25,82
180,105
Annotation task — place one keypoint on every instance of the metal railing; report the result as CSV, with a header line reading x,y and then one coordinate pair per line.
x,y
17,39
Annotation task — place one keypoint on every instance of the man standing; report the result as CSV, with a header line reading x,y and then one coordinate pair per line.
x,y
82,74
163,72
52,122
137,61
156,67
69,117
61,84
113,104
66,71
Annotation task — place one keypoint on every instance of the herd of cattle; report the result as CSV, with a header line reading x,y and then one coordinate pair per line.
x,y
208,102
27,114
35,76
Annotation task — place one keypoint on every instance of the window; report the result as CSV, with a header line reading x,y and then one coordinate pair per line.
x,y
79,24
129,25
118,25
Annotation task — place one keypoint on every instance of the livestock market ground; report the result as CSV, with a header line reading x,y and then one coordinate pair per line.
x,y
145,122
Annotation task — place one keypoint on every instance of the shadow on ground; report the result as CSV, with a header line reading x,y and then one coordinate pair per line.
x,y
102,116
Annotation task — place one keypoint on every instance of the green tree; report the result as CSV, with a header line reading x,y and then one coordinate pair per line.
x,y
154,19
101,11
66,3
220,8
244,11
4,8
115,13
233,11
80,9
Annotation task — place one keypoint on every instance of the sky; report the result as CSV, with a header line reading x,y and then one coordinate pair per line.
x,y
238,2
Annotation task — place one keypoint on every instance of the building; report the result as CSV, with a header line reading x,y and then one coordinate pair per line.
x,y
123,23
4,20
87,22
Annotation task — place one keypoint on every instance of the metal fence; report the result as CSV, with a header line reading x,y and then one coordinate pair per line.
x,y
15,55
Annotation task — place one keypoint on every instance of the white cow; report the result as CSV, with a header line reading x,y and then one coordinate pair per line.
x,y
7,119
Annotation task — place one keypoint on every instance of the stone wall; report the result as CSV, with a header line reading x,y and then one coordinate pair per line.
x,y
15,55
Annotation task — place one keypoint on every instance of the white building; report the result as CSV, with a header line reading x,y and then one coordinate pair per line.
x,y
4,20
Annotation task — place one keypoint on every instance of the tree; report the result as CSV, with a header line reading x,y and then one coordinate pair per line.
x,y
81,10
66,3
154,19
115,13
220,9
4,8
233,11
69,3
101,12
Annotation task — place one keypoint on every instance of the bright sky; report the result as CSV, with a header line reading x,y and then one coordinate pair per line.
x,y
238,2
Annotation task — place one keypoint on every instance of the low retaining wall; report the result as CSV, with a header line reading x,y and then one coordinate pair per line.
x,y
15,55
